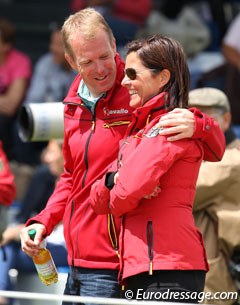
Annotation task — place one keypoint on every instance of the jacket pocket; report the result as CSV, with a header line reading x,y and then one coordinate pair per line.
x,y
118,123
150,242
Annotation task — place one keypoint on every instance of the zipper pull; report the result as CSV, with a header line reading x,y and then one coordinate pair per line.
x,y
150,246
93,125
119,162
150,272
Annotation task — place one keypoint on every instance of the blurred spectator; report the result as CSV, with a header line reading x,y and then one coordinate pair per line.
x,y
53,159
15,72
231,51
7,189
124,17
180,21
7,195
7,186
52,75
51,79
217,205
50,82
42,182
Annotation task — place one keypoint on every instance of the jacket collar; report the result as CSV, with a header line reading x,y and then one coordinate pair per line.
x,y
151,109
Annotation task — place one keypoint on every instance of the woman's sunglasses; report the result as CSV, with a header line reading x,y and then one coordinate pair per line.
x,y
132,73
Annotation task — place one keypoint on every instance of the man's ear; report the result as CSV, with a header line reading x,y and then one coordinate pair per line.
x,y
70,61
114,44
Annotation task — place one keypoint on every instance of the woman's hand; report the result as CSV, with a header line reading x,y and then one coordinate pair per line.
x,y
116,177
154,193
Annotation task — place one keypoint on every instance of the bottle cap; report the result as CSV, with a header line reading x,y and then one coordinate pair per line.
x,y
32,233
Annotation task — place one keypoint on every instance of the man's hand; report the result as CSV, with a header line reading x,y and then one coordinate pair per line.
x,y
179,123
31,247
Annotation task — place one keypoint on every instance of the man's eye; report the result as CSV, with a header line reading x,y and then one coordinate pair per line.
x,y
104,57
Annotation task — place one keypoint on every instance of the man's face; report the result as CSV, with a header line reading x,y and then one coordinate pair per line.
x,y
95,61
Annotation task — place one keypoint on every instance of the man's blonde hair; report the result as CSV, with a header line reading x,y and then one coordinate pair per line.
x,y
87,21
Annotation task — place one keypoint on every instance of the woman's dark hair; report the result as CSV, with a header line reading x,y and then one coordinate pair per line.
x,y
161,52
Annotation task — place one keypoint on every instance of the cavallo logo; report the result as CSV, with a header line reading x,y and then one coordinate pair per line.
x,y
108,112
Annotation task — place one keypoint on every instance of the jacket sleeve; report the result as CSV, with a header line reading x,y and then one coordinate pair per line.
x,y
210,133
53,213
7,185
142,172
100,193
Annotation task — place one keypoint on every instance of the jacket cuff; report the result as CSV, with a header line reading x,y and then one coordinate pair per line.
x,y
109,180
202,125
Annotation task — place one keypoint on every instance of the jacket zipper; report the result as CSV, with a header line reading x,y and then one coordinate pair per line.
x,y
150,242
121,252
88,141
113,234
70,239
86,159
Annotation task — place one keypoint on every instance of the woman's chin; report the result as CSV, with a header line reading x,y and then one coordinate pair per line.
x,y
135,102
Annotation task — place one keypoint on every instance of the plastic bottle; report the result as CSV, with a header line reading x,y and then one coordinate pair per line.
x,y
44,263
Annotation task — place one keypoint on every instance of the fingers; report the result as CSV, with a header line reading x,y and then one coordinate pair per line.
x,y
116,177
176,117
176,137
171,120
31,247
178,124
155,193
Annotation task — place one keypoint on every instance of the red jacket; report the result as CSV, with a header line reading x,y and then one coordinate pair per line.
x,y
7,185
90,146
156,233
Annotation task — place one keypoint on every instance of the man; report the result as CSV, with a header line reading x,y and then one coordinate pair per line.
x,y
217,205
96,115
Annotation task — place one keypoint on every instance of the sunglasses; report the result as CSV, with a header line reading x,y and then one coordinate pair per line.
x,y
132,73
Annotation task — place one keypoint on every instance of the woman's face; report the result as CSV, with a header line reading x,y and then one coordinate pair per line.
x,y
145,85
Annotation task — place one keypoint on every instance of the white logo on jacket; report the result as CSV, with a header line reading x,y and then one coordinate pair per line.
x,y
114,111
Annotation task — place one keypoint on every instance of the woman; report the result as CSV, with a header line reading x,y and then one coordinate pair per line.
x,y
161,250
